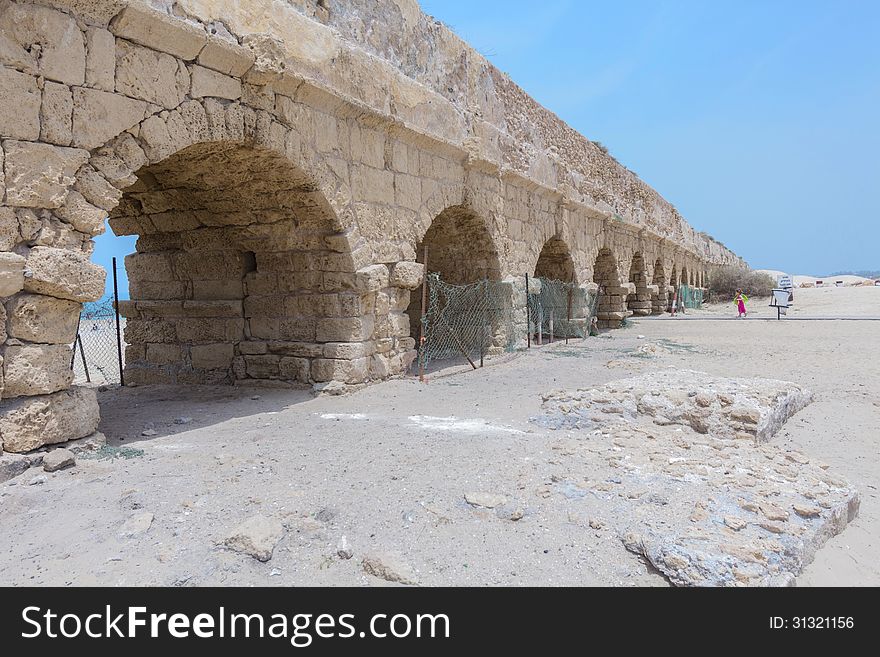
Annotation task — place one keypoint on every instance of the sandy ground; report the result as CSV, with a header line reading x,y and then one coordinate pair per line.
x,y
388,466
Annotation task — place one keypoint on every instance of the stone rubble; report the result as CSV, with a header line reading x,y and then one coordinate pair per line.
x,y
257,536
708,506
750,409
58,459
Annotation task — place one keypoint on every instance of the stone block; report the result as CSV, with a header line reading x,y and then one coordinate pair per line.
x,y
348,350
344,329
31,422
38,318
98,116
159,31
212,356
63,274
263,367
206,82
11,273
152,76
407,275
100,59
39,175
82,215
96,190
46,42
164,354
35,369
371,278
155,267
298,349
19,105
200,329
56,114
226,56
213,308
294,369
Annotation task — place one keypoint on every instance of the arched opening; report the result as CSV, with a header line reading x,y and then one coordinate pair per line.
x,y
240,274
458,251
639,302
558,307
555,262
660,299
611,307
684,276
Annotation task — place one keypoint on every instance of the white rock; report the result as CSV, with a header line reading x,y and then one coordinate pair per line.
x,y
256,536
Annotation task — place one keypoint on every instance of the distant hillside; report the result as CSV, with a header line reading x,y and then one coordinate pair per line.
x,y
864,273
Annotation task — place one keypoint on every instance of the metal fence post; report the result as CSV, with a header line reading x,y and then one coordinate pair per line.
x,y
424,317
528,316
118,330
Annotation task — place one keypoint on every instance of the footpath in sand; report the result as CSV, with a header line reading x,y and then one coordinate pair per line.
x,y
459,482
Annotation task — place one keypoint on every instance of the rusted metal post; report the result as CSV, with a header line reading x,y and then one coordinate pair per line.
x,y
485,319
424,315
118,330
82,355
568,328
528,316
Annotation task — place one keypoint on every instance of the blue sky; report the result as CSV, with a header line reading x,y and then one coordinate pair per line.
x,y
758,120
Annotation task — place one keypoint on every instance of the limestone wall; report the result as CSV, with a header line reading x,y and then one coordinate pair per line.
x,y
284,165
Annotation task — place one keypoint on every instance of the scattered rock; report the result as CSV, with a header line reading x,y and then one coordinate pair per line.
x,y
183,420
12,465
38,480
389,567
806,510
136,525
343,549
149,432
256,536
773,512
58,459
325,515
486,500
735,523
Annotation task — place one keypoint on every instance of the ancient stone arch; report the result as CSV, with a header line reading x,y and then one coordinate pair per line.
x,y
278,198
459,248
638,302
555,261
660,298
611,306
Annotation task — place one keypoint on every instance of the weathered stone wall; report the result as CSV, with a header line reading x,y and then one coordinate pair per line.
x,y
283,165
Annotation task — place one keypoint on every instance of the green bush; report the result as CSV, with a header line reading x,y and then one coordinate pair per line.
x,y
725,281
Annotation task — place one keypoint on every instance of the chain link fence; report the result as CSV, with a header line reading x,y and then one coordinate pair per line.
x,y
95,358
691,297
466,322
559,310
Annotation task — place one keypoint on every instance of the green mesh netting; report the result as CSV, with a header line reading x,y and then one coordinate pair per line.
x,y
466,322
691,297
560,310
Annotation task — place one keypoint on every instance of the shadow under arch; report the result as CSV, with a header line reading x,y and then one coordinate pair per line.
x,y
660,299
555,261
639,302
611,306
241,273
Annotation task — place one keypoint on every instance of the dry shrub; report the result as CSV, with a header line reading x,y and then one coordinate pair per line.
x,y
725,281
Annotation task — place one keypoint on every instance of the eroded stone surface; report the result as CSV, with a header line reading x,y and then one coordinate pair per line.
x,y
723,407
705,508
31,422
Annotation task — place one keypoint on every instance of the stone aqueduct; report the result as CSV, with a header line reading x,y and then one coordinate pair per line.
x,y
282,163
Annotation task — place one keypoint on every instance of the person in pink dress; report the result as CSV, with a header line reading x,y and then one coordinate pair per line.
x,y
740,300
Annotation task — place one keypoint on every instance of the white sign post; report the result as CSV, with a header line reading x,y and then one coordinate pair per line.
x,y
779,300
